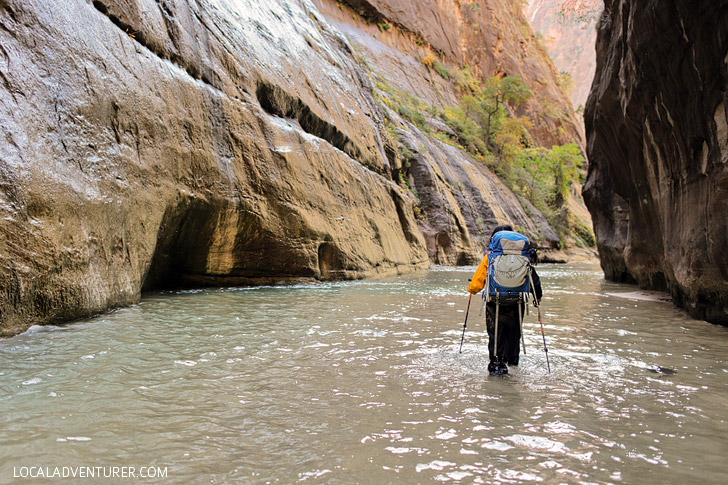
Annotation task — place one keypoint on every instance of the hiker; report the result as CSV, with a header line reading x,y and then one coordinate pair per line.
x,y
506,305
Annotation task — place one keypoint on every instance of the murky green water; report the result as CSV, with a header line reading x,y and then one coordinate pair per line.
x,y
361,382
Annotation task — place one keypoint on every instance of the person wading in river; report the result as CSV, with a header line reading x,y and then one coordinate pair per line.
x,y
507,310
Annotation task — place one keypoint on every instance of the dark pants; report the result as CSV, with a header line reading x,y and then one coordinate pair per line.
x,y
509,332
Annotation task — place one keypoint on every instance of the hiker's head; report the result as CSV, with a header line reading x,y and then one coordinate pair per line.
x,y
505,227
533,256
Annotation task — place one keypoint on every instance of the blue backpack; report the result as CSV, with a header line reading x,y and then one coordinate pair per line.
x,y
509,269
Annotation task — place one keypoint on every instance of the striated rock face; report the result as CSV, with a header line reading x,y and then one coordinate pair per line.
x,y
155,143
657,133
492,37
460,202
569,32
150,144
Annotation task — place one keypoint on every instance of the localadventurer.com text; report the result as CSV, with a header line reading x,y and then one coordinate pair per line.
x,y
89,472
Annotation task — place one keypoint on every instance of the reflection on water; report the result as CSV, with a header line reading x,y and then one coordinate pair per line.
x,y
361,382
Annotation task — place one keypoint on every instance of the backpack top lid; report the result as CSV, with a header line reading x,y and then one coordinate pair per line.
x,y
508,242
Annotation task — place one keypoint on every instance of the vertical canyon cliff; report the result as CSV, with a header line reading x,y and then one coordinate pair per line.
x,y
155,143
568,29
657,132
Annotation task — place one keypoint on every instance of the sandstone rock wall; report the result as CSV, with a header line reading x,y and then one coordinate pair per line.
x,y
657,133
568,30
146,144
156,143
493,37
459,203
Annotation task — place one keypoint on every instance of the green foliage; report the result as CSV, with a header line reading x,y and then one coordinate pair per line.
x,y
402,179
511,138
407,155
490,103
564,162
414,116
481,120
545,177
485,127
467,130
464,80
405,104
447,139
392,131
430,61
585,233
442,70
511,88
566,83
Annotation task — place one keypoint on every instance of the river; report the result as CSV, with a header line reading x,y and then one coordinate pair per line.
x,y
362,382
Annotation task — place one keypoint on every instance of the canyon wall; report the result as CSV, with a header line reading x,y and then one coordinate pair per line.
x,y
657,132
492,37
568,30
161,143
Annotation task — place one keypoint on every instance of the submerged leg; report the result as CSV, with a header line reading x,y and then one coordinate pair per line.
x,y
497,364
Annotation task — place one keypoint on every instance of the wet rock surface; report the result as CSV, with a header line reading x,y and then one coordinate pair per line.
x,y
458,203
153,144
657,134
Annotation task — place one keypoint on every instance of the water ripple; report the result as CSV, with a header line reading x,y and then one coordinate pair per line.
x,y
362,382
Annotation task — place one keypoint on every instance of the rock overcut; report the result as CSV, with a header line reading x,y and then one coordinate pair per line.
x,y
156,143
657,136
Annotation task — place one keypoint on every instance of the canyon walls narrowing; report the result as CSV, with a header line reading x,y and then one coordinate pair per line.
x,y
657,134
155,143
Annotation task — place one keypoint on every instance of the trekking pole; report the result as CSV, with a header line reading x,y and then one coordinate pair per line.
x,y
538,307
495,335
540,321
520,325
465,324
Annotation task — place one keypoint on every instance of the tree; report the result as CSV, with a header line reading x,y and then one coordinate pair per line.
x,y
566,82
492,100
468,132
546,176
564,163
510,140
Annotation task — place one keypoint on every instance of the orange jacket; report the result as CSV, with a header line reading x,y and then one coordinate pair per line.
x,y
478,281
